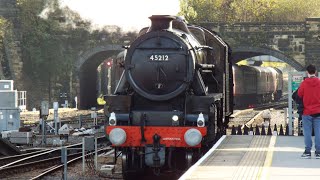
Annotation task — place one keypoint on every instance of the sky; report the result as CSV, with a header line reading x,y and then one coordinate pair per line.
x,y
128,14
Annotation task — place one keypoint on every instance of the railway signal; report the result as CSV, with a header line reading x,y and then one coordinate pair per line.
x,y
108,63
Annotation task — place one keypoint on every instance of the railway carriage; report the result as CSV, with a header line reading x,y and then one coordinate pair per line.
x,y
256,85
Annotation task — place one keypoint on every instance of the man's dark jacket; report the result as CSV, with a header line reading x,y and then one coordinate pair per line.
x,y
299,101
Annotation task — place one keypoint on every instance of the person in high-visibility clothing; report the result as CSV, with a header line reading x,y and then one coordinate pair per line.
x,y
100,100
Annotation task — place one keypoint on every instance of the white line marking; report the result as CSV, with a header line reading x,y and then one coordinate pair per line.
x,y
193,167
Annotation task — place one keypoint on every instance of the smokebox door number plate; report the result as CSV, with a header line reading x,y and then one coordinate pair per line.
x,y
158,57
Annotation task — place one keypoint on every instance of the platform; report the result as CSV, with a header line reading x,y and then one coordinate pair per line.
x,y
255,157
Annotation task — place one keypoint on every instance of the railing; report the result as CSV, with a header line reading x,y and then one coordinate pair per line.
x,y
22,100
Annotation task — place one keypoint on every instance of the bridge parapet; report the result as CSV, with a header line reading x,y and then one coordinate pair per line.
x,y
298,41
313,41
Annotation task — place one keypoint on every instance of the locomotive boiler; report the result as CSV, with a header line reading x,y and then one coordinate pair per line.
x,y
173,99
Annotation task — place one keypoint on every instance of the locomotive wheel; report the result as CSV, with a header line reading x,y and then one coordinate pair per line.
x,y
131,165
128,171
189,156
125,165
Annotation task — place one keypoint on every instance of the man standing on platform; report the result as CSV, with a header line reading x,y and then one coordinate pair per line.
x,y
309,91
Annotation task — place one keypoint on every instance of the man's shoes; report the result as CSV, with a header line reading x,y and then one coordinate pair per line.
x,y
307,155
317,155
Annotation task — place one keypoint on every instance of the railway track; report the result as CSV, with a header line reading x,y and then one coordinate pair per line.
x,y
33,164
275,105
9,159
254,117
246,117
30,162
58,166
245,114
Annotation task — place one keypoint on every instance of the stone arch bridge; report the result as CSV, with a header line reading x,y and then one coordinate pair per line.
x,y
86,67
296,43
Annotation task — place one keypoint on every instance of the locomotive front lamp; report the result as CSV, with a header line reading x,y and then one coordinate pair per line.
x,y
117,136
192,137
200,120
175,120
112,119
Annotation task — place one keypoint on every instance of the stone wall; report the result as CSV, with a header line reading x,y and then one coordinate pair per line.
x,y
299,41
313,41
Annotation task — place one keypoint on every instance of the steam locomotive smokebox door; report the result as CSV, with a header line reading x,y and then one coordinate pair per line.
x,y
157,66
118,103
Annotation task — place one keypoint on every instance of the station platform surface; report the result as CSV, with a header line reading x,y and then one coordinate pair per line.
x,y
255,157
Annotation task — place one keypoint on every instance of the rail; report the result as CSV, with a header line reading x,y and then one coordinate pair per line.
x,y
23,163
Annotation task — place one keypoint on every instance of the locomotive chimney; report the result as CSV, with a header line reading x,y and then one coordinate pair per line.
x,y
161,22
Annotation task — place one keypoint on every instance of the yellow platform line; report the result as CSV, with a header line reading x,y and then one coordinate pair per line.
x,y
264,173
188,173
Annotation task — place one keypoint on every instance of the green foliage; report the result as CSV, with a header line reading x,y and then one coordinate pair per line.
x,y
187,11
2,27
52,40
39,43
205,10
248,10
296,10
6,44
5,28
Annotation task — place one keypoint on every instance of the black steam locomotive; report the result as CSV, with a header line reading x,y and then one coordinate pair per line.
x,y
173,99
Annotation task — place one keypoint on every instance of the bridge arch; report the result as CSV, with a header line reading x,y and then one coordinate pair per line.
x,y
88,61
86,67
240,53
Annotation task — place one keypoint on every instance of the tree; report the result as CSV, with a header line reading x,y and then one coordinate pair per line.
x,y
248,10
296,10
46,42
52,40
6,44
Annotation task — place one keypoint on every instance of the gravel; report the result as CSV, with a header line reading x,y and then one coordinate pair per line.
x,y
278,117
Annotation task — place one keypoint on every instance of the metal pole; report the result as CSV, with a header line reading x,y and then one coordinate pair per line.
x,y
59,123
45,130
55,107
42,129
96,152
44,112
83,155
55,122
80,117
43,126
285,112
65,164
291,118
